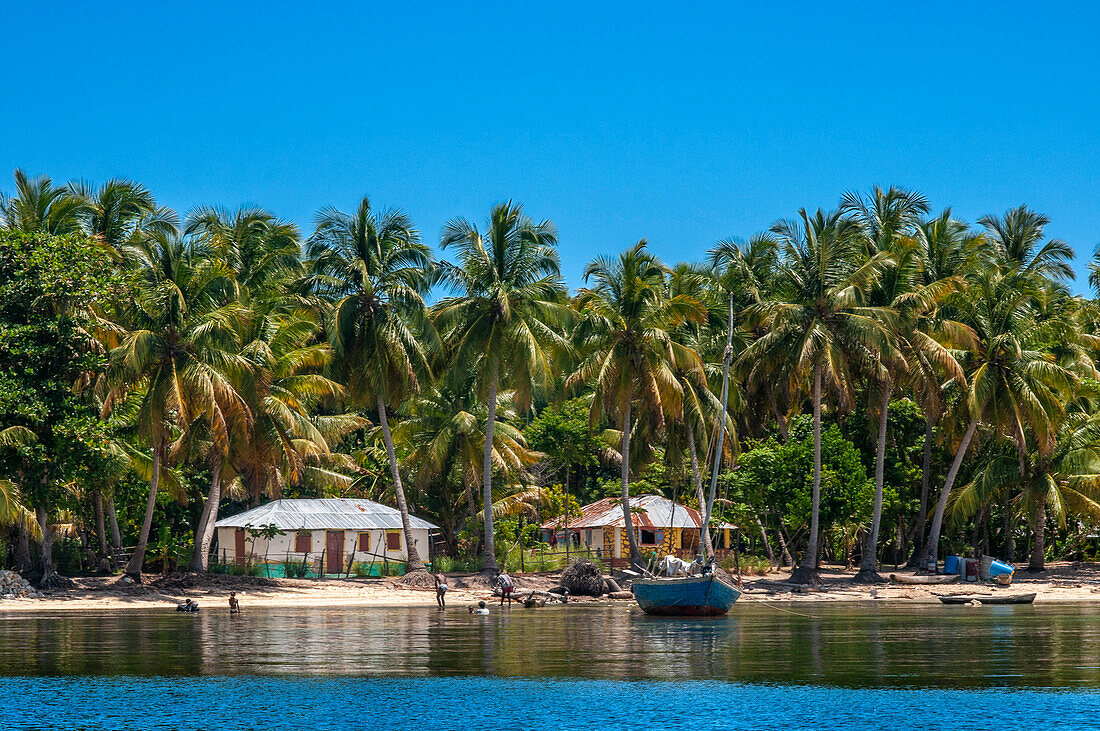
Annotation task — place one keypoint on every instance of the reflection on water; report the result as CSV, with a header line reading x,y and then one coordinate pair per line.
x,y
852,645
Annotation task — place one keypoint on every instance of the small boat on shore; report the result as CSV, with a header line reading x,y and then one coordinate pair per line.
x,y
692,596
987,599
925,580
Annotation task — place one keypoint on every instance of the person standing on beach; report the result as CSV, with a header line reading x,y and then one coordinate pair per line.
x,y
440,589
507,586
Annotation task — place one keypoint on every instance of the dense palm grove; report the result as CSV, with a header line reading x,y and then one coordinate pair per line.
x,y
875,382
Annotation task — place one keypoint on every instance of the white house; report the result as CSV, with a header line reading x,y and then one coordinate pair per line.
x,y
338,531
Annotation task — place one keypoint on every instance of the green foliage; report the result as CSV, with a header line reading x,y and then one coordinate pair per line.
x,y
771,473
300,569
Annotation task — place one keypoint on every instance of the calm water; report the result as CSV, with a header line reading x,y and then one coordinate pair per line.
x,y
852,666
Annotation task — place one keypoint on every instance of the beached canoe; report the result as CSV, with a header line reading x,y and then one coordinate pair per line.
x,y
988,599
693,596
922,580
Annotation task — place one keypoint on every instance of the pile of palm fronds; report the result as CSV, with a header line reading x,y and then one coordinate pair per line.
x,y
583,578
417,580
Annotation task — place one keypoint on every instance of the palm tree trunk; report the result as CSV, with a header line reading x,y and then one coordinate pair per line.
x,y
100,529
22,550
204,536
727,356
868,568
628,523
1038,545
1010,540
413,561
697,481
112,522
925,482
932,547
133,568
806,573
784,552
489,558
46,559
764,535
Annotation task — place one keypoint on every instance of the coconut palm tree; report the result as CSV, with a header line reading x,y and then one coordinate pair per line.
x,y
950,254
444,434
262,251
376,271
1065,481
178,349
816,328
505,324
1013,386
627,352
888,221
1017,237
120,211
40,206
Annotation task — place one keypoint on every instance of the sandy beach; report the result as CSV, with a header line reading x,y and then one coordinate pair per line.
x,y
1060,583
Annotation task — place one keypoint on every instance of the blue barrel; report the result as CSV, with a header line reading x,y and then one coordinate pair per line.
x,y
997,568
951,565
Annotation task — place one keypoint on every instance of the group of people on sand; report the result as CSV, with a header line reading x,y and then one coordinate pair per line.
x,y
503,582
190,605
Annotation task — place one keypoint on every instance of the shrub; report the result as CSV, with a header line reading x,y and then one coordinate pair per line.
x,y
446,564
295,569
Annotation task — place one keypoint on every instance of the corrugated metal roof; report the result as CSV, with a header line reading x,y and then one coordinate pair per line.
x,y
646,511
323,513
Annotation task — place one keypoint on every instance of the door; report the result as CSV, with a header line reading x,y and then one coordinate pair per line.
x,y
239,550
334,550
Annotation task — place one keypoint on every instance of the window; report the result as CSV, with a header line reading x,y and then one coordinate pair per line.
x,y
303,541
649,537
364,542
393,540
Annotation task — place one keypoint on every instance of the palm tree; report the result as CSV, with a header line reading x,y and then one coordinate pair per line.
x,y
888,221
816,329
506,323
1013,386
377,271
119,212
179,350
261,250
38,205
950,253
1094,271
1017,237
1064,481
627,351
444,434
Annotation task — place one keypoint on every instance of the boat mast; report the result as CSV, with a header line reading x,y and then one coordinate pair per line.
x,y
727,356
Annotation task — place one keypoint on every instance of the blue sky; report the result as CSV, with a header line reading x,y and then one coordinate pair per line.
x,y
679,124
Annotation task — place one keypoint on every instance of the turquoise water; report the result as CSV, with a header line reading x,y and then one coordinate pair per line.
x,y
849,666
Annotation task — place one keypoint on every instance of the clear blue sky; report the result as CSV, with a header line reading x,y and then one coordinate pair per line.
x,y
678,124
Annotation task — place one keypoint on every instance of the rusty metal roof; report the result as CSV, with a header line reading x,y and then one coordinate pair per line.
x,y
647,511
323,513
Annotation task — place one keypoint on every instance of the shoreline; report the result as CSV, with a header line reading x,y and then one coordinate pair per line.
x,y
1062,583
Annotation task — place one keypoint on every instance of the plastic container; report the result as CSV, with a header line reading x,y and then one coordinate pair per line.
x,y
996,568
951,565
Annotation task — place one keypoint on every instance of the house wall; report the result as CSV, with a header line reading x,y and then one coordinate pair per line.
x,y
277,549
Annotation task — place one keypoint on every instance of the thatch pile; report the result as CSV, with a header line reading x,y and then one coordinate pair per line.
x,y
416,580
583,578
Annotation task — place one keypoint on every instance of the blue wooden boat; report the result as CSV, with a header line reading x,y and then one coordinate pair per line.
x,y
693,596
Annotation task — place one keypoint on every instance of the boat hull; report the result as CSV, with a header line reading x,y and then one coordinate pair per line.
x,y
987,599
925,580
694,596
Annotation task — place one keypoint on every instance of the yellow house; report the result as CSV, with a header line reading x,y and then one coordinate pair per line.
x,y
658,525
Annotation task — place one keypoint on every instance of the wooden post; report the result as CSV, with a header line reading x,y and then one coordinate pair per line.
x,y
321,567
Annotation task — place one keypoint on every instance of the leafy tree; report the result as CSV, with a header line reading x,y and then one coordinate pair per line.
x,y
50,435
